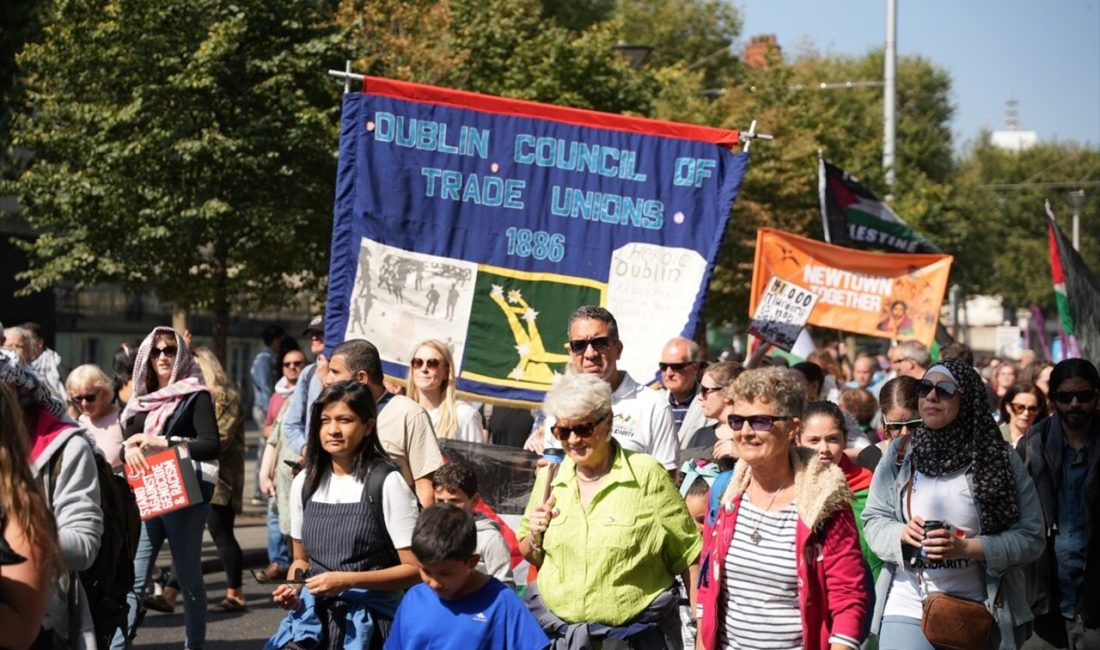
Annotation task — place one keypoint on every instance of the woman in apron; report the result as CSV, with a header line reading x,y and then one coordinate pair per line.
x,y
352,518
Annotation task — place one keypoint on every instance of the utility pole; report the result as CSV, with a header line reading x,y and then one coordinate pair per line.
x,y
889,98
1076,200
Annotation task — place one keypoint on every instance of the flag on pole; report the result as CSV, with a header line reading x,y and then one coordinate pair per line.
x,y
1076,293
853,216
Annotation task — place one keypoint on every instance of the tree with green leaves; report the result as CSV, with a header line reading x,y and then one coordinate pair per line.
x,y
185,149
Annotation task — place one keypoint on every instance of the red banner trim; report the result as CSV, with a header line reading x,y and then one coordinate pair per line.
x,y
519,107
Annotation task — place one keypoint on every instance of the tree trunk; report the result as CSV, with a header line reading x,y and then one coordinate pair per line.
x,y
220,326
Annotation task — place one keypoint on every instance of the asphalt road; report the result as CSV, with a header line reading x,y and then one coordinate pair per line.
x,y
249,629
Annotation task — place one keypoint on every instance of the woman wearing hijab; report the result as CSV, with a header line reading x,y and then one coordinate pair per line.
x,y
171,406
959,515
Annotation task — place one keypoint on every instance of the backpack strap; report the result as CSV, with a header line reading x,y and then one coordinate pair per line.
x,y
376,480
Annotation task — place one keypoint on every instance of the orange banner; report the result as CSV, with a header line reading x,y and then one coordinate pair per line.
x,y
892,295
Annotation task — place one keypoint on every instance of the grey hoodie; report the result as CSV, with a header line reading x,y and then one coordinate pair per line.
x,y
76,507
496,559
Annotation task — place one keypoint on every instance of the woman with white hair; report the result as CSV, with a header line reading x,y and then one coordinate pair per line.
x,y
432,385
608,530
90,392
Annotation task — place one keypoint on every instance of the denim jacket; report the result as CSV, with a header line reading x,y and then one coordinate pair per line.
x,y
1006,553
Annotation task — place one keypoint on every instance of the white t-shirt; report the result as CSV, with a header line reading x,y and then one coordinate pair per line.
x,y
399,504
469,422
641,421
947,499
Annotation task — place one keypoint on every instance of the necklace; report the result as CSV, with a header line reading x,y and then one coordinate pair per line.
x,y
593,479
755,535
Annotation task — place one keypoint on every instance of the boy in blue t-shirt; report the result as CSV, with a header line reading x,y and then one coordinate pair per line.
x,y
456,606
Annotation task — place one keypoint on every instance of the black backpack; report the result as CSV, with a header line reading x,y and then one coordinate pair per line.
x,y
110,578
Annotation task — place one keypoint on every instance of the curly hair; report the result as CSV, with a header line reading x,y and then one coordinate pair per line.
x,y
770,385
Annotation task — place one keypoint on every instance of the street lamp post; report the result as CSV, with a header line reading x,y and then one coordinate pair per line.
x,y
1076,199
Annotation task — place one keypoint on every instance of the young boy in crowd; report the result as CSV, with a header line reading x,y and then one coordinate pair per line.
x,y
457,606
456,483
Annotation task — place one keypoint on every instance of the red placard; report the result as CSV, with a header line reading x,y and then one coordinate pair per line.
x,y
168,485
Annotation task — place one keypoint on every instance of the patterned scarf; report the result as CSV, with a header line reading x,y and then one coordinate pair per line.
x,y
971,440
185,379
30,388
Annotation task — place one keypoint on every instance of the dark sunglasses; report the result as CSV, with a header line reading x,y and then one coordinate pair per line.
x,y
599,344
168,350
944,389
899,425
1067,396
293,364
432,364
707,390
1020,409
582,430
676,367
89,398
756,422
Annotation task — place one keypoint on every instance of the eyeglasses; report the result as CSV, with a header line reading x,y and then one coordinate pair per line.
x,y
894,362
756,422
432,364
1067,396
169,351
599,344
944,389
583,430
894,427
293,364
707,390
1019,409
675,367
89,398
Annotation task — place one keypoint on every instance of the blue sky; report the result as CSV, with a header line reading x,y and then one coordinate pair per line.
x,y
1045,54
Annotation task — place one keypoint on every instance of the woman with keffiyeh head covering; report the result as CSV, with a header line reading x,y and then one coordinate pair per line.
x,y
957,515
170,406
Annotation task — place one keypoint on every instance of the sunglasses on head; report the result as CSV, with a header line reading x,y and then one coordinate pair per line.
x,y
293,364
599,344
583,430
676,367
756,422
169,351
894,427
89,398
432,364
1067,396
1020,409
944,389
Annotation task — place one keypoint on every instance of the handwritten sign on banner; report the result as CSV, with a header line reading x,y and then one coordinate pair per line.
x,y
782,312
483,222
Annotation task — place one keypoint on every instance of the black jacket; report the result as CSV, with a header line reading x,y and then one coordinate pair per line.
x,y
1042,450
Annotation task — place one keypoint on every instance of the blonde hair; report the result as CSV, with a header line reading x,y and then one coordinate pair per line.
x,y
89,374
213,375
20,498
447,425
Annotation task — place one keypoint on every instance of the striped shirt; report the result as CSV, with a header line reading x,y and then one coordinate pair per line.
x,y
760,591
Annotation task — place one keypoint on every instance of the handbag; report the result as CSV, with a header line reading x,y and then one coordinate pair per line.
x,y
952,622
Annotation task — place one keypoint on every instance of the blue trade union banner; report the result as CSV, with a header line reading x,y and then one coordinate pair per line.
x,y
483,222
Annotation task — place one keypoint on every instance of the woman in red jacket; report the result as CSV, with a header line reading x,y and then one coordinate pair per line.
x,y
781,564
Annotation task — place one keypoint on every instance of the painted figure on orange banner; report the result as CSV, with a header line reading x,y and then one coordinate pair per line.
x,y
897,321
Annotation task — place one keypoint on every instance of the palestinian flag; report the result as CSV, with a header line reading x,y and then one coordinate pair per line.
x,y
855,217
1076,292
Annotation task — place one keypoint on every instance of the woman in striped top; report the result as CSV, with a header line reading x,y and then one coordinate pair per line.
x,y
782,568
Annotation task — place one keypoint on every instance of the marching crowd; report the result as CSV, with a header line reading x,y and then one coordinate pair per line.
x,y
851,500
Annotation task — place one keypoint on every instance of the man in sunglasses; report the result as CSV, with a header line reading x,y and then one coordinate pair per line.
x,y
642,418
1062,454
680,370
